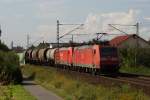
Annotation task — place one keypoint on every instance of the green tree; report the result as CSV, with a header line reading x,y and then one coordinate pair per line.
x,y
9,68
3,47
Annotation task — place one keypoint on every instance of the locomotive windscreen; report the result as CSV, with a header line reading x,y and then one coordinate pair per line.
x,y
108,51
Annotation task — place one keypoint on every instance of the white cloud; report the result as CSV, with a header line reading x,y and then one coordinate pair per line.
x,y
99,22
96,23
147,18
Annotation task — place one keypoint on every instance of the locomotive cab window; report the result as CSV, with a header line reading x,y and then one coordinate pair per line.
x,y
108,51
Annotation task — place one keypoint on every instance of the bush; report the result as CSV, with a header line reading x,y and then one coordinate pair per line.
x,y
9,68
3,47
144,57
133,57
127,57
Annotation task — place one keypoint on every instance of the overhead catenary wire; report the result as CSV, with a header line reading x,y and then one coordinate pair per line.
x,y
0,31
58,33
122,24
30,44
111,25
71,30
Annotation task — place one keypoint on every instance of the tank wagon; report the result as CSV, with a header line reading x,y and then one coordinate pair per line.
x,y
87,58
34,56
28,56
50,56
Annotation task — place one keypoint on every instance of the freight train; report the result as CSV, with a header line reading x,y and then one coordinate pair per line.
x,y
87,58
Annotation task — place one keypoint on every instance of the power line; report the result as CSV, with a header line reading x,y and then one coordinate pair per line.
x,y
76,35
135,25
111,25
71,24
0,33
28,41
58,34
123,24
70,31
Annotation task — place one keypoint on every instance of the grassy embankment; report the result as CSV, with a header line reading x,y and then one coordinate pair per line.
x,y
136,70
14,92
71,89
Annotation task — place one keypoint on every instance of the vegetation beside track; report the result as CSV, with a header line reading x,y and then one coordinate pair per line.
x,y
71,89
10,74
14,92
135,61
133,57
9,68
136,70
3,47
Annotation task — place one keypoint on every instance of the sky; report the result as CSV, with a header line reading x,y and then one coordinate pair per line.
x,y
38,18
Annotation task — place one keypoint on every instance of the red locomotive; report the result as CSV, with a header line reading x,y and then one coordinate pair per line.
x,y
88,58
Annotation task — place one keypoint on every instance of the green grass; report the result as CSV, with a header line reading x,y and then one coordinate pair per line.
x,y
71,89
136,70
14,92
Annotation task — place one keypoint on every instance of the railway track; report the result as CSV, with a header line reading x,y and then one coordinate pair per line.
x,y
136,81
139,82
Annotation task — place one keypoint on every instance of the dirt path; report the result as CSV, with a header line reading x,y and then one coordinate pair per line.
x,y
39,92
